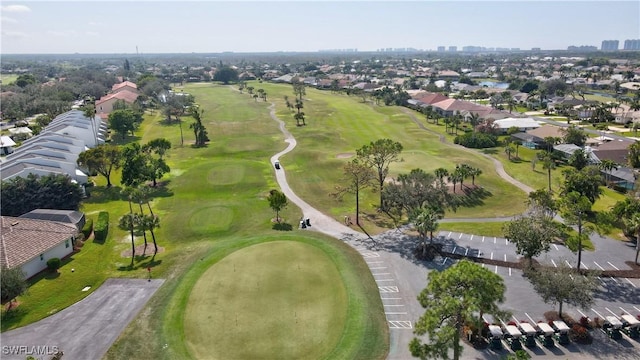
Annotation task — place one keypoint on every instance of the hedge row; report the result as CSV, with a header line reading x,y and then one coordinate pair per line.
x,y
87,228
102,226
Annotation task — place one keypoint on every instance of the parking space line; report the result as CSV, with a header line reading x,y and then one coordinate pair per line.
x,y
612,313
380,274
636,308
509,271
581,313
492,255
395,313
466,252
597,313
628,313
598,265
613,266
614,280
454,249
385,280
390,298
449,234
459,236
483,239
374,262
496,270
506,241
568,263
584,266
378,268
445,260
494,239
392,305
471,238
556,246
554,263
505,257
531,319
632,284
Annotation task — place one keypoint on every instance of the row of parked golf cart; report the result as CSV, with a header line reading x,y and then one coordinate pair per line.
x,y
548,334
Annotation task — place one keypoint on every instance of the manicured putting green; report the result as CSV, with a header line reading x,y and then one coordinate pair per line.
x,y
275,300
210,219
227,174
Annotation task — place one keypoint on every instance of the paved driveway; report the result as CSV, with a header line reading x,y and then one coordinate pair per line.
x,y
86,329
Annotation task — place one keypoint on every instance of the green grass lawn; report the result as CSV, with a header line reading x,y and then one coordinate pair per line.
x,y
8,78
493,228
279,294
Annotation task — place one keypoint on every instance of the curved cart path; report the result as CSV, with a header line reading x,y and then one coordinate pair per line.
x,y
497,164
401,278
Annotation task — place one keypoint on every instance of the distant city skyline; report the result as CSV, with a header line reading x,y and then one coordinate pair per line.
x,y
94,27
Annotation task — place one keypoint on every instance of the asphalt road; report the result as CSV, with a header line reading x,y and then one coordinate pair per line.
x,y
86,329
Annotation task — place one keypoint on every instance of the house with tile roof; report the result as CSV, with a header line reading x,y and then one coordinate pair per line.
x,y
124,86
104,106
28,244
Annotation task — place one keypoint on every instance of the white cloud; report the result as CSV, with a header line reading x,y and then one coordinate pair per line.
x,y
14,34
92,33
15,8
5,20
94,23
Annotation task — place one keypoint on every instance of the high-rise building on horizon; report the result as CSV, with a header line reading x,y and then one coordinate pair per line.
x,y
610,45
441,48
633,44
453,48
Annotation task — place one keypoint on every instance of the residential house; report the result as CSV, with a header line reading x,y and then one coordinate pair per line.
x,y
124,86
75,218
523,124
125,91
535,138
28,244
6,145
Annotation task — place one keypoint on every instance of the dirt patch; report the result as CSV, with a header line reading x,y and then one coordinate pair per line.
x,y
344,155
140,249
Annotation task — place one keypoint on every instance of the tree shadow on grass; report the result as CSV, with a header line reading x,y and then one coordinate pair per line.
x,y
141,263
11,317
103,194
472,197
489,151
282,227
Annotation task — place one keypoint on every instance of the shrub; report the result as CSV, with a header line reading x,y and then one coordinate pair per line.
x,y
476,140
102,226
87,228
584,321
53,264
580,334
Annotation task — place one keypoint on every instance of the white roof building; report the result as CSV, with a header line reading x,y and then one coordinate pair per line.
x,y
523,124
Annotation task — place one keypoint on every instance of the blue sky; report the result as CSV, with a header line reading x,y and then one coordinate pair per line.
x,y
30,27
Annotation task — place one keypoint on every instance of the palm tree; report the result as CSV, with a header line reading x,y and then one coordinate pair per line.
x,y
509,149
474,120
426,221
548,164
607,165
441,173
473,172
152,222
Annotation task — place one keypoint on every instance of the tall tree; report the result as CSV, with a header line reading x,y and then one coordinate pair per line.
x,y
574,135
378,155
586,182
226,74
531,235
123,121
579,159
54,191
452,297
559,286
199,130
548,163
102,159
12,284
134,165
542,204
574,207
358,177
277,202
